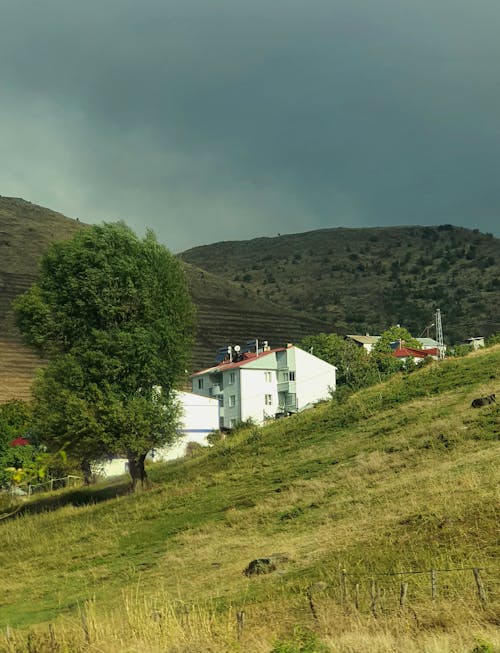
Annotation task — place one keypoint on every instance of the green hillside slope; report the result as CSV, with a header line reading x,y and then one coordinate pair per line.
x,y
226,312
364,280
357,498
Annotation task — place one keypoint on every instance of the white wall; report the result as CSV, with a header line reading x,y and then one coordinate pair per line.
x,y
200,416
111,467
313,378
254,388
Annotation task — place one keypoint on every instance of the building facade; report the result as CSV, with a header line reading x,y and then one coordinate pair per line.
x,y
265,384
199,417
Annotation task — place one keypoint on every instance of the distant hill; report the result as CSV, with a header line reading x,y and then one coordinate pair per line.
x,y
364,280
226,312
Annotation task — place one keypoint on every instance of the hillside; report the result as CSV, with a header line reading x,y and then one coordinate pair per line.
x,y
364,280
226,312
26,230
357,498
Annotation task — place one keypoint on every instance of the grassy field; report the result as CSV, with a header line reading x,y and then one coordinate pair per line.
x,y
357,499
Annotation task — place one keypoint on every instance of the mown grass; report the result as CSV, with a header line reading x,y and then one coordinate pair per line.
x,y
401,478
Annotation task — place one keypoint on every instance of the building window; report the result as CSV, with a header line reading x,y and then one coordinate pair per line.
x,y
200,384
268,377
291,376
268,400
232,378
232,401
284,377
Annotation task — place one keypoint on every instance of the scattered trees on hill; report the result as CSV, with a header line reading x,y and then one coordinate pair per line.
x,y
355,367
113,314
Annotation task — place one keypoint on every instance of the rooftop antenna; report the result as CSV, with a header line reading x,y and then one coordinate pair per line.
x,y
439,333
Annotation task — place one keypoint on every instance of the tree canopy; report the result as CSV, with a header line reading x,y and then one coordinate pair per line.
x,y
396,334
355,368
113,315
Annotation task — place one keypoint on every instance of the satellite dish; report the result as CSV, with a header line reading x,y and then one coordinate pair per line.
x,y
237,348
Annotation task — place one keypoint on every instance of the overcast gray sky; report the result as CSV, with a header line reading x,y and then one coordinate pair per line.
x,y
211,120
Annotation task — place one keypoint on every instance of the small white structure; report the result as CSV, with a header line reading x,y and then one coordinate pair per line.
x,y
475,343
266,383
200,416
368,342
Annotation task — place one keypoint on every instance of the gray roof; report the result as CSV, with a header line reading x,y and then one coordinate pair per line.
x,y
428,342
365,340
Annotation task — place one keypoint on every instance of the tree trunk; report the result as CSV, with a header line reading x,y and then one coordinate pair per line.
x,y
86,471
137,470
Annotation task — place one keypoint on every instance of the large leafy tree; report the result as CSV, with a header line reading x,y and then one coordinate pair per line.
x,y
396,334
113,315
355,368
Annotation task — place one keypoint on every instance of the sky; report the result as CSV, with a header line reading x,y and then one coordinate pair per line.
x,y
210,120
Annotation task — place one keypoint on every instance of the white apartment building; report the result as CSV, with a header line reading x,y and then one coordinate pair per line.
x,y
266,384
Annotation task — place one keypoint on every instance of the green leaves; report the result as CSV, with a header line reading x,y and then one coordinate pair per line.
x,y
393,334
355,367
114,315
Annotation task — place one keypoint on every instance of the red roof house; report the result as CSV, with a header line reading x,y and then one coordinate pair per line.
x,y
19,442
409,352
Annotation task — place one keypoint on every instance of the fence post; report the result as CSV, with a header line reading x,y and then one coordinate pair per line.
x,y
240,620
373,594
343,580
311,604
356,596
85,627
433,583
8,637
402,595
480,587
52,635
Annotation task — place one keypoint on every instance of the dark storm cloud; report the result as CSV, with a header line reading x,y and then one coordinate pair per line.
x,y
224,119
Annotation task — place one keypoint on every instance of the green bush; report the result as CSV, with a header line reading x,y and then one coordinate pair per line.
x,y
484,647
302,641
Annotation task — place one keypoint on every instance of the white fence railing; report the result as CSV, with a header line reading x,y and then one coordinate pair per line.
x,y
53,484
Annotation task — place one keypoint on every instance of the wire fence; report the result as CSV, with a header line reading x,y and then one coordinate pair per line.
x,y
395,593
380,592
53,484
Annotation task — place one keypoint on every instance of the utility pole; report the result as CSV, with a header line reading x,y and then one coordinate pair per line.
x,y
439,333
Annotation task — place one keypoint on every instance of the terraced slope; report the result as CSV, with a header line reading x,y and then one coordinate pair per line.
x,y
226,312
25,232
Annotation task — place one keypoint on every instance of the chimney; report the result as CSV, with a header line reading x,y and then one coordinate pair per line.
x,y
289,344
